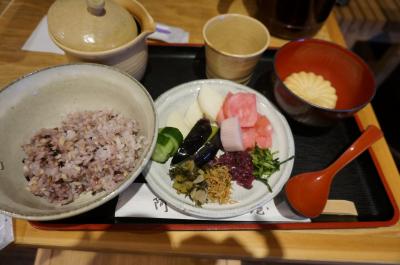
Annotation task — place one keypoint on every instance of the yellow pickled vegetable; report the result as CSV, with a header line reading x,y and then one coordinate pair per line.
x,y
312,88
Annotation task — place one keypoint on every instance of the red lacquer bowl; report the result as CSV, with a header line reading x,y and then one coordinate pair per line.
x,y
349,74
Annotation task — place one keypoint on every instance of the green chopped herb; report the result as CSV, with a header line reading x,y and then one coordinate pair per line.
x,y
264,164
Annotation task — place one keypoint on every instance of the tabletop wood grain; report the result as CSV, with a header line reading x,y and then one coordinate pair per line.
x,y
358,245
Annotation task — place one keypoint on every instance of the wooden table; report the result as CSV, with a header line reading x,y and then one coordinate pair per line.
x,y
18,20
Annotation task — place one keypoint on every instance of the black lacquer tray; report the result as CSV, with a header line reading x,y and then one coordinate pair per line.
x,y
359,182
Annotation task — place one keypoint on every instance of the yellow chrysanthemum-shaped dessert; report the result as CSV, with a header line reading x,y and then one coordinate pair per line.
x,y
312,88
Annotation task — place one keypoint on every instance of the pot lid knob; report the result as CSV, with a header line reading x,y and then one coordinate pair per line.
x,y
96,7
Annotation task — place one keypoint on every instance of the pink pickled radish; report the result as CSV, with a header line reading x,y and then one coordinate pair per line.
x,y
249,137
264,141
220,116
242,105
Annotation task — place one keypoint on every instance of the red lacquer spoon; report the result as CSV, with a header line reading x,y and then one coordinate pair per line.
x,y
308,192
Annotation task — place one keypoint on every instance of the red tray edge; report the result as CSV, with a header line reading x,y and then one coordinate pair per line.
x,y
213,227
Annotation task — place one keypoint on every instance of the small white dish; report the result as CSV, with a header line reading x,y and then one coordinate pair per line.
x,y
156,174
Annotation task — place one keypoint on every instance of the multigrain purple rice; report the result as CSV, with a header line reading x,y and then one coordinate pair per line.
x,y
91,151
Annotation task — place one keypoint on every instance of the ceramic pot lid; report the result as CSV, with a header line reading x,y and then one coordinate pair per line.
x,y
91,25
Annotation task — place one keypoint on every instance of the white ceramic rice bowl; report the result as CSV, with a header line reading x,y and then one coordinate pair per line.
x,y
42,100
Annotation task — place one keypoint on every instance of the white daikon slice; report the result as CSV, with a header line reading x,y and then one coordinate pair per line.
x,y
231,135
210,102
193,114
175,119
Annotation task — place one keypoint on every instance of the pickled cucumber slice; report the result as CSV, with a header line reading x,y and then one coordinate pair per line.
x,y
174,135
164,148
168,141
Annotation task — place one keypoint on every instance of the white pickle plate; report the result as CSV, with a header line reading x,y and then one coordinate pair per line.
x,y
156,174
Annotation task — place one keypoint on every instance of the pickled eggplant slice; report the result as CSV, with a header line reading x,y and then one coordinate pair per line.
x,y
197,136
208,151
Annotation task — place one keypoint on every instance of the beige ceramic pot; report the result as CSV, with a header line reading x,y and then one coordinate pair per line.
x,y
111,32
42,100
